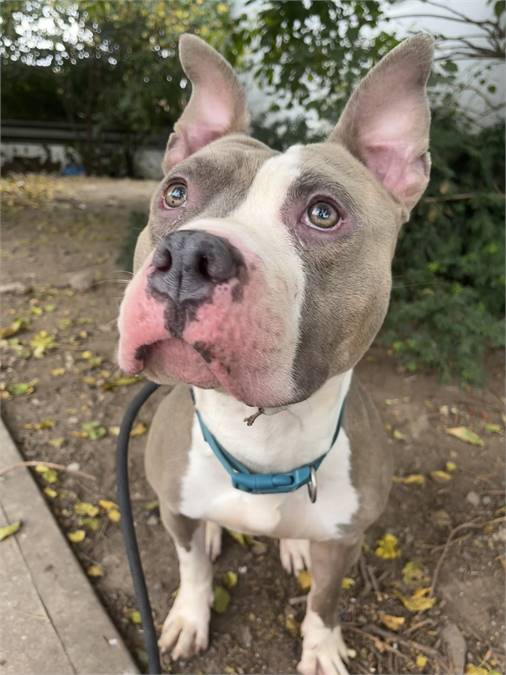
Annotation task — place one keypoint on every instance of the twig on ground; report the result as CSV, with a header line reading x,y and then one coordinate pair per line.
x,y
50,465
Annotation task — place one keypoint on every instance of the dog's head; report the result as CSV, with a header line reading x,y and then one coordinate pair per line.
x,y
264,274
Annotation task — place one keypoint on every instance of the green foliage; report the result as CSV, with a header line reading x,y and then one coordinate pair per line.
x,y
104,64
448,297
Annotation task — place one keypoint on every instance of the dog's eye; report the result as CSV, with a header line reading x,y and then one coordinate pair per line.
x,y
175,195
323,215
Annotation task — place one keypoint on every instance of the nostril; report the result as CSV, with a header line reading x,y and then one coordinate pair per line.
x,y
163,260
203,266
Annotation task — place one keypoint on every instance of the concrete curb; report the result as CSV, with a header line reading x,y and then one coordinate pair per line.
x,y
52,621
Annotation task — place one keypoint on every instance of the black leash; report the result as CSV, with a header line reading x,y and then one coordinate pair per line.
x,y
127,527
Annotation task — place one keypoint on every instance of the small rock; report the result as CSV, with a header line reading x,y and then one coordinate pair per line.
x,y
74,466
82,281
473,498
14,288
152,520
242,569
244,636
486,500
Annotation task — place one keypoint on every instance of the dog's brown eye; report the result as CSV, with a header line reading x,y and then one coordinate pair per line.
x,y
323,215
175,195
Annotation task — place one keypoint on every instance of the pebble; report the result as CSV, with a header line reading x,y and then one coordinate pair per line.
x,y
473,498
152,520
486,500
74,466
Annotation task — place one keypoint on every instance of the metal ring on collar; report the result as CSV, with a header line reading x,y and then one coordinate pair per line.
x,y
312,487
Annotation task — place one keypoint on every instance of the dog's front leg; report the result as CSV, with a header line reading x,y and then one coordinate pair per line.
x,y
323,649
185,631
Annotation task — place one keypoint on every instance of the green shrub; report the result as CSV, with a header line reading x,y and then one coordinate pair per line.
x,y
448,297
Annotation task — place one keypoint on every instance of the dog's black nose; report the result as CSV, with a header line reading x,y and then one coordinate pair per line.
x,y
190,263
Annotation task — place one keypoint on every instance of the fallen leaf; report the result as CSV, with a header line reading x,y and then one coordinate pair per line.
x,y
38,426
440,476
9,530
114,431
466,435
387,547
107,505
413,574
49,492
41,343
398,435
134,616
390,621
76,536
451,466
114,515
139,429
57,372
152,505
230,579
243,539
94,430
292,626
48,474
221,599
471,669
304,579
120,381
410,479
14,328
86,509
56,442
421,661
418,602
492,428
91,523
347,583
95,571
21,388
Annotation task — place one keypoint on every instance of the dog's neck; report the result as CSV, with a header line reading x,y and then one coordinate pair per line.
x,y
294,436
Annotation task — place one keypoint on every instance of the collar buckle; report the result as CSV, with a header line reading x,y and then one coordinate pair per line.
x,y
312,487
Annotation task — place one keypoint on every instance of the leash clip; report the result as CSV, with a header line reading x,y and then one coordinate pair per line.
x,y
312,487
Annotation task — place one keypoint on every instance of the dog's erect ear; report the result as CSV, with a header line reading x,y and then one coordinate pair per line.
x,y
217,105
386,122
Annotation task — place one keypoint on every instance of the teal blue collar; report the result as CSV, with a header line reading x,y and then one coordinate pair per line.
x,y
267,483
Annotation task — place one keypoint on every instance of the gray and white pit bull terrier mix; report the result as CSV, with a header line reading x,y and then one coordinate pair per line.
x,y
261,280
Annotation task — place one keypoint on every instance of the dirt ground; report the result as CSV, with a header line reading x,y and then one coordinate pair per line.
x,y
63,397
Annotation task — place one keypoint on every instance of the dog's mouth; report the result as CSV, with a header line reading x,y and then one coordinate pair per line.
x,y
242,347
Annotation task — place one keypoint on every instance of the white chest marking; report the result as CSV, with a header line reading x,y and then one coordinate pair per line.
x,y
207,492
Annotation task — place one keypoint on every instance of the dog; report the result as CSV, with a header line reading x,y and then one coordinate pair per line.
x,y
260,281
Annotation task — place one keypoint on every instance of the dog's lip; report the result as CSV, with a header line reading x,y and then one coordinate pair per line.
x,y
143,352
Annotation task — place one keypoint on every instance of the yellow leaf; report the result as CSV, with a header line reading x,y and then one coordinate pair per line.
x,y
49,475
421,661
114,515
57,372
49,492
440,476
76,536
9,530
471,669
56,442
387,547
398,435
492,428
91,523
139,429
221,599
413,574
95,571
243,539
230,579
347,583
114,431
390,621
14,328
292,626
451,466
466,435
418,602
410,479
304,579
107,505
85,509
134,616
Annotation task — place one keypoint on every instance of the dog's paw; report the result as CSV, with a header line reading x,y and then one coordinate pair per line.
x,y
213,540
294,555
324,651
185,631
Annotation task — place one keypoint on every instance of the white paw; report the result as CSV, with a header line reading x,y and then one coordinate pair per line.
x,y
185,631
294,555
324,651
213,540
